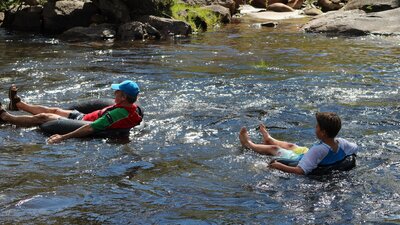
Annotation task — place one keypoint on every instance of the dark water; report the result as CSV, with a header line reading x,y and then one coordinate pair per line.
x,y
185,164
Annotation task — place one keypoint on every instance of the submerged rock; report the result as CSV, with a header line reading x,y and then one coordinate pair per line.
x,y
356,22
269,24
137,31
93,33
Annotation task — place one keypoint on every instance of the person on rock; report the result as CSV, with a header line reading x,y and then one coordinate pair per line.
x,y
328,151
123,114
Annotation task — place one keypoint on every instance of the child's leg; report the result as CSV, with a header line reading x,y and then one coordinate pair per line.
x,y
27,120
36,109
260,148
268,140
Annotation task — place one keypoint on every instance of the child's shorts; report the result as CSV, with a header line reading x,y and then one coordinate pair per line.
x,y
291,154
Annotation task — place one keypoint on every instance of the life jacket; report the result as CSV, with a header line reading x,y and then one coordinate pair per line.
x,y
134,117
332,156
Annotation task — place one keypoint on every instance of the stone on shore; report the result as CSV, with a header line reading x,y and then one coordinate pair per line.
x,y
329,5
223,13
356,22
59,16
167,27
258,13
312,11
372,5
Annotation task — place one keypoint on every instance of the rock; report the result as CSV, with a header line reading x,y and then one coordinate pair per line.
x,y
115,10
62,15
260,3
356,22
137,31
269,24
280,7
223,13
312,11
372,5
92,33
167,26
329,5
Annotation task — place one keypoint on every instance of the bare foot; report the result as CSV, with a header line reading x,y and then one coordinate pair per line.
x,y
267,138
244,137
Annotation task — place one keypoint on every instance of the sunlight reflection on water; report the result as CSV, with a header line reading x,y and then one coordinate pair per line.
x,y
184,164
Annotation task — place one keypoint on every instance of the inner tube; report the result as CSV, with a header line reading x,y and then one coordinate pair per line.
x,y
91,105
348,163
64,125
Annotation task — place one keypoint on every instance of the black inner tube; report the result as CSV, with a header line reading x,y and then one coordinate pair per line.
x,y
348,163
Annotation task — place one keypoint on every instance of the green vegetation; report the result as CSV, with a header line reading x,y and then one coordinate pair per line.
x,y
261,65
7,4
198,18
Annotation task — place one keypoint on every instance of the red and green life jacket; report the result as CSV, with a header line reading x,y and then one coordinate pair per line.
x,y
132,120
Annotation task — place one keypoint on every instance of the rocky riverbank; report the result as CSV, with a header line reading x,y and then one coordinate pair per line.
x,y
79,20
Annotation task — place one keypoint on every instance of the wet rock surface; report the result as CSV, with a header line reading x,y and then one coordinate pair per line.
x,y
357,22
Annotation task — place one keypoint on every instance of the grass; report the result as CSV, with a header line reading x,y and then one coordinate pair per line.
x,y
198,18
261,65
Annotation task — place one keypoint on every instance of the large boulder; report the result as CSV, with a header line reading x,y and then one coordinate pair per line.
x,y
93,33
167,27
59,16
372,5
280,7
356,22
137,31
330,5
115,10
222,12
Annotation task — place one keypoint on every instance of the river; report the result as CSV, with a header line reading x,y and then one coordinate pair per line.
x,y
184,164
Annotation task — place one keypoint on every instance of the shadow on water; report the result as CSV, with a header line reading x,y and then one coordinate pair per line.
x,y
185,164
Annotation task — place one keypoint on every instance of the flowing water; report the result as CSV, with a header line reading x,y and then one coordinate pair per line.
x,y
184,164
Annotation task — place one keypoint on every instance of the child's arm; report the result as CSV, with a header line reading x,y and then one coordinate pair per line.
x,y
288,169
